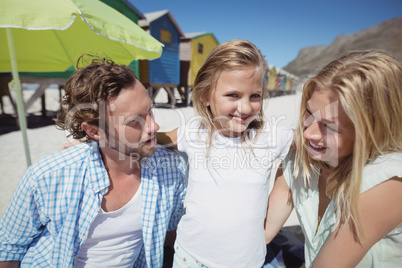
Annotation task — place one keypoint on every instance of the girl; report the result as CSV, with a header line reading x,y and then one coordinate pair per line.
x,y
231,151
345,178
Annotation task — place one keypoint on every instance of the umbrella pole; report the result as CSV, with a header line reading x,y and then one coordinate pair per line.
x,y
18,91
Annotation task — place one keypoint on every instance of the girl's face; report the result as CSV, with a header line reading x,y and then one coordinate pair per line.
x,y
236,100
329,132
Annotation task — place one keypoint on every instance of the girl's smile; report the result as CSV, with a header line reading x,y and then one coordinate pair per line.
x,y
236,100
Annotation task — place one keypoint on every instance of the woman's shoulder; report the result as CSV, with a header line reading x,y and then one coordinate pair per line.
x,y
382,168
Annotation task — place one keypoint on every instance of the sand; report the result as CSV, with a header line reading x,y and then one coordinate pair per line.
x,y
45,140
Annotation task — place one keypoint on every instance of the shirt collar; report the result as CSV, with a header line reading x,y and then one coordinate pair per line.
x,y
98,177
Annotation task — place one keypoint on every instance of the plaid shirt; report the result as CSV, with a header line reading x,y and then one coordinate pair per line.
x,y
57,199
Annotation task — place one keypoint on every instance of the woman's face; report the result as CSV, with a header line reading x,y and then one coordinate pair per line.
x,y
329,133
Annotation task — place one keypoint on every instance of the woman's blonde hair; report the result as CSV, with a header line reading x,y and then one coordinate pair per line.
x,y
232,55
369,87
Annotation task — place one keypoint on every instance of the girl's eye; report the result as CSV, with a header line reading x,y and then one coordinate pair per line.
x,y
256,96
232,95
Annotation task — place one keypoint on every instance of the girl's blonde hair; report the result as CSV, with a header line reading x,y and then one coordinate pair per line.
x,y
232,55
369,87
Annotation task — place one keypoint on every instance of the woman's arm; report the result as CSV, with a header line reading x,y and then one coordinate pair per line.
x,y
380,213
168,139
280,205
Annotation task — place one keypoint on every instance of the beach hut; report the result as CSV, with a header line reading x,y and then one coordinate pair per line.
x,y
271,78
131,12
278,80
282,78
194,49
288,83
163,72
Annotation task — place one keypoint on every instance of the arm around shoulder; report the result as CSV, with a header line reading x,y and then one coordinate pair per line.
x,y
168,139
280,205
10,264
380,213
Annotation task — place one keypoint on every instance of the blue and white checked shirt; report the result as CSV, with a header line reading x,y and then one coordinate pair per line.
x,y
57,199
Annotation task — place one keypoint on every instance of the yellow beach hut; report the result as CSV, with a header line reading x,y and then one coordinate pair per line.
x,y
194,48
271,78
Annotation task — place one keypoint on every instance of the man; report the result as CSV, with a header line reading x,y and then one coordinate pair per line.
x,y
105,203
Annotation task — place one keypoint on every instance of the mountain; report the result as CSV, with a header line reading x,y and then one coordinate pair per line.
x,y
386,36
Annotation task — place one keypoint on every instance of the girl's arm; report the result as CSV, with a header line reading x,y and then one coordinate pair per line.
x,y
10,264
168,139
280,205
380,213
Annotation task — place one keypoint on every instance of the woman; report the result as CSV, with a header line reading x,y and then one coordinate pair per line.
x,y
345,177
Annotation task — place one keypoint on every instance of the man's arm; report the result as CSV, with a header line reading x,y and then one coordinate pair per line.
x,y
380,213
280,205
20,223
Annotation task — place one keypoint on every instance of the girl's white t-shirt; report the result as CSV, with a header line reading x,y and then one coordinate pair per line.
x,y
114,238
227,194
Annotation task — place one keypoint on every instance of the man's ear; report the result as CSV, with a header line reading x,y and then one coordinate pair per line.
x,y
91,130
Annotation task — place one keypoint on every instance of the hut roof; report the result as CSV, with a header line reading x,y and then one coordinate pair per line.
x,y
152,16
198,35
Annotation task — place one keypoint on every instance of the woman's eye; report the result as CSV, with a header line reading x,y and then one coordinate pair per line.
x,y
332,127
308,119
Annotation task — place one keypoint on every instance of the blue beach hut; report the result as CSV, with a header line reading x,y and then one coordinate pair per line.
x,y
164,71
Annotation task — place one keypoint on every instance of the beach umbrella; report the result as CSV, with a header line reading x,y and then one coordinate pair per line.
x,y
50,35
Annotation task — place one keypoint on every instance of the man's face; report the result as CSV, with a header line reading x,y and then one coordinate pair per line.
x,y
130,126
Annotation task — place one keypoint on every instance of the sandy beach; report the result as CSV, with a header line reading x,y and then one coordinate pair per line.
x,y
48,139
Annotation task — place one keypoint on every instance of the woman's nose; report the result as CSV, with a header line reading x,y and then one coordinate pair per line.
x,y
313,131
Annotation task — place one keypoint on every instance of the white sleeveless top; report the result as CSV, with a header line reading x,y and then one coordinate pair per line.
x,y
114,238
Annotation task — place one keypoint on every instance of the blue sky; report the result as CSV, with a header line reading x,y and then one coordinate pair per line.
x,y
280,28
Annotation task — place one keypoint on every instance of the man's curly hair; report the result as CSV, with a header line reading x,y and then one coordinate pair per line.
x,y
87,89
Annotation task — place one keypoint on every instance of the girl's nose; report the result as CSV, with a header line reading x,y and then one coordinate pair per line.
x,y
244,106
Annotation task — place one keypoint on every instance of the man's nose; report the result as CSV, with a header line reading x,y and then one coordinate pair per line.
x,y
151,126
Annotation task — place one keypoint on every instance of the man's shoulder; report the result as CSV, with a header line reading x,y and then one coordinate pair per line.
x,y
167,153
75,155
166,161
